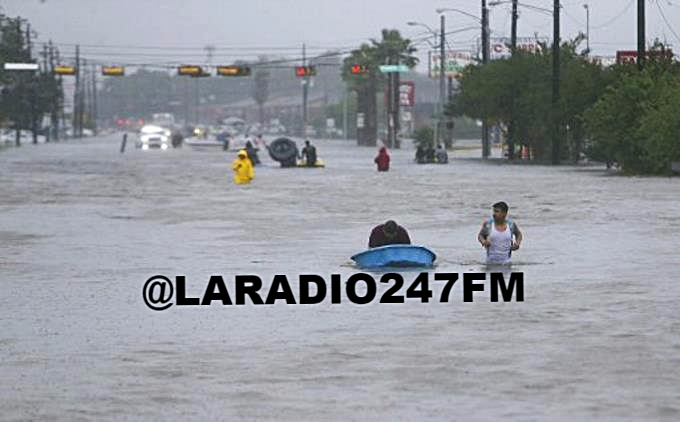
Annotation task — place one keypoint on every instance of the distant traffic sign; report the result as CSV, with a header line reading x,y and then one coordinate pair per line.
x,y
113,71
64,70
393,68
233,70
190,70
21,66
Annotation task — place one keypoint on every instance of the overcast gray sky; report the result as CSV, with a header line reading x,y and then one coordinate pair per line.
x,y
280,26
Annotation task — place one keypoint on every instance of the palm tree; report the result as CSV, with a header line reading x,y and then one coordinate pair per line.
x,y
365,85
394,49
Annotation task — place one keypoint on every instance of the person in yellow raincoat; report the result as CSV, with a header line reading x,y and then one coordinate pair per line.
x,y
243,168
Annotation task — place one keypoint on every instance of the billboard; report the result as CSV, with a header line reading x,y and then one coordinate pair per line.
x,y
454,65
499,46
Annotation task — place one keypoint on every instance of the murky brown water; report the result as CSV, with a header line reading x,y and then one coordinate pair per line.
x,y
82,227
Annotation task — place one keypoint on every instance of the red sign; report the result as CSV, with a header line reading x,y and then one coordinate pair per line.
x,y
630,56
626,57
407,94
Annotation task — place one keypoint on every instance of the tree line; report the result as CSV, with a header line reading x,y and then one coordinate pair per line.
x,y
27,96
618,114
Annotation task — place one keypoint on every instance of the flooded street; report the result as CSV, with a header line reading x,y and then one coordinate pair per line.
x,y
82,227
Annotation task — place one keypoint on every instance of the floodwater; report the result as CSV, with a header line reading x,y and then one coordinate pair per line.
x,y
82,227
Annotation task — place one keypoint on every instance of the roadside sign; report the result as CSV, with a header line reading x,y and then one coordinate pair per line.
x,y
21,66
393,68
499,46
456,61
407,94
630,56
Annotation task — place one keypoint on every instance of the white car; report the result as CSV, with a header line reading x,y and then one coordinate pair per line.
x,y
153,137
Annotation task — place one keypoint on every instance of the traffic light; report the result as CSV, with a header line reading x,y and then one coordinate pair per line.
x,y
64,70
233,70
190,70
358,69
305,71
113,71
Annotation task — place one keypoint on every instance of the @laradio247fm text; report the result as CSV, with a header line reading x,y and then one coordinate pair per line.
x,y
360,288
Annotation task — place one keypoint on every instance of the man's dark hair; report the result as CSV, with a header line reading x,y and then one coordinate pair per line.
x,y
390,227
501,206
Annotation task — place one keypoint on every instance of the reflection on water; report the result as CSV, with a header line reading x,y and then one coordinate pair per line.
x,y
83,226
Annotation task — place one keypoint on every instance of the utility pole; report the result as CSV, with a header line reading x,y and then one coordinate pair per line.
x,y
76,95
94,100
344,115
556,84
442,79
82,97
513,49
585,6
54,117
33,100
45,69
486,147
305,92
641,35
389,105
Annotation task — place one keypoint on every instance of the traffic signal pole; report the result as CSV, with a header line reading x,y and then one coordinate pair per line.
x,y
305,92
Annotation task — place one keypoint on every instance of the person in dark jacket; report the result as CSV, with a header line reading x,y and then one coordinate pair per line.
x,y
252,153
309,154
389,233
420,155
383,160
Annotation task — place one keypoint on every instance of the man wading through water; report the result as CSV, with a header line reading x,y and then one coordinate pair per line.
x,y
500,236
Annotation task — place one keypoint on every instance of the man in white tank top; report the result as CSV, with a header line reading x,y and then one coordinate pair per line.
x,y
500,236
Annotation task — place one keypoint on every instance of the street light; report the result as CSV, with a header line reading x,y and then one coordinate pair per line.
x,y
462,12
484,21
528,6
426,26
442,69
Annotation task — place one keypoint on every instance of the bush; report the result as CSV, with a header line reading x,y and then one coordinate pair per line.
x,y
424,137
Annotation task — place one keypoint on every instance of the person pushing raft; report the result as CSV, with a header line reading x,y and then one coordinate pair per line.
x,y
389,233
309,154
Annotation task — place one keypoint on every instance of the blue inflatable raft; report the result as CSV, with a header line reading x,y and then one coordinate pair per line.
x,y
395,256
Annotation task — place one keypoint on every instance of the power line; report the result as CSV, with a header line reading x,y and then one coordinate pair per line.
x,y
615,18
663,16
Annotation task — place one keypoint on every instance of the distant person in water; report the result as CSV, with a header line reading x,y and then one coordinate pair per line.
x,y
389,233
441,155
252,153
309,154
383,160
242,168
500,236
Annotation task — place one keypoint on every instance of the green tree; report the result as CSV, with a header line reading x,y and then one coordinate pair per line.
x,y
524,81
